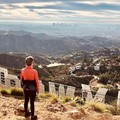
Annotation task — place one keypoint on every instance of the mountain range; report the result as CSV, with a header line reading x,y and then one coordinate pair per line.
x,y
22,41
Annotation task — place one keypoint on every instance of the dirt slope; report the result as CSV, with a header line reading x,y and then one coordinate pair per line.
x,y
11,109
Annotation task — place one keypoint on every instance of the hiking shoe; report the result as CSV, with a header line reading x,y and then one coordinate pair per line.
x,y
34,117
27,114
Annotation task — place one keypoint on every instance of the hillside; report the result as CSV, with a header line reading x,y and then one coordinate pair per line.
x,y
48,109
17,61
14,63
21,41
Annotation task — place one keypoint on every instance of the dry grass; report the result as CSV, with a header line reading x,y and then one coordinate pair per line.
x,y
113,108
66,99
46,95
73,104
97,106
79,100
54,100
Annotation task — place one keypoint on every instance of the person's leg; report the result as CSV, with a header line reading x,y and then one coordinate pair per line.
x,y
32,100
26,97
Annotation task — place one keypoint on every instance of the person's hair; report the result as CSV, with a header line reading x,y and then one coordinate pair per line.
x,y
29,60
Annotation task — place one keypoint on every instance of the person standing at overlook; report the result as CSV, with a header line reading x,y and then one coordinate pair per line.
x,y
30,84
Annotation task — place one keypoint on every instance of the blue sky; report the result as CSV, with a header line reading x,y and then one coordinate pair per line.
x,y
84,11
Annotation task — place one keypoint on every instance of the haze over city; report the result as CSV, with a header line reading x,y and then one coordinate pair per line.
x,y
81,17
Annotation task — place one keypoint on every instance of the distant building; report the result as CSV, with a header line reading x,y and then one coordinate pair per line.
x,y
55,65
97,67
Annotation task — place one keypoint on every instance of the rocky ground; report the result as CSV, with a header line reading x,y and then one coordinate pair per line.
x,y
12,109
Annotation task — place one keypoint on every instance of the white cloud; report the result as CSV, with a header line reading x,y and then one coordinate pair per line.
x,y
37,3
21,11
95,2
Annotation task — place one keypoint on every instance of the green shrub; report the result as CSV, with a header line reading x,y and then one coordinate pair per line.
x,y
5,92
113,92
79,100
103,78
67,99
16,92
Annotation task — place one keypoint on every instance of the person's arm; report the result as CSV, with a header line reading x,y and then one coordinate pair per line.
x,y
21,79
21,75
37,81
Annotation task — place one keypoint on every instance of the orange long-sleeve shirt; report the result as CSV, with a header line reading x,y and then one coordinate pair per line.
x,y
28,73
